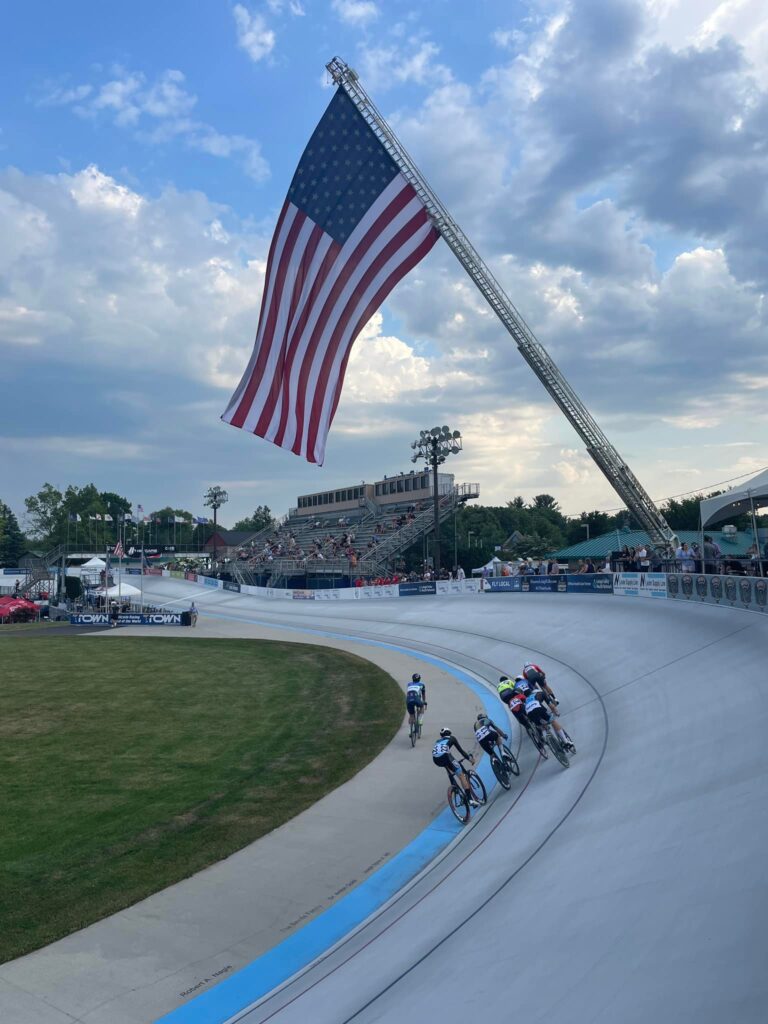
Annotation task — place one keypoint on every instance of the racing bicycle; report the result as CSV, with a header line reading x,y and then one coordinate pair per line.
x,y
552,739
414,731
457,797
504,765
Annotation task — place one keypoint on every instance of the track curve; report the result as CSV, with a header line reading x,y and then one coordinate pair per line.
x,y
630,886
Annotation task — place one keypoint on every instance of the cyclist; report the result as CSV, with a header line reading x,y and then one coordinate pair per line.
x,y
537,711
415,696
489,735
441,755
538,677
505,689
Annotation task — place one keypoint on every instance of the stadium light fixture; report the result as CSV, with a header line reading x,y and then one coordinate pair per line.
x,y
434,446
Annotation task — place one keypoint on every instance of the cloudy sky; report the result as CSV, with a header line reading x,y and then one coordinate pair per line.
x,y
608,158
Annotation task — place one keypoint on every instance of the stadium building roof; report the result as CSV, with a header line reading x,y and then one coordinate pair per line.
x,y
736,544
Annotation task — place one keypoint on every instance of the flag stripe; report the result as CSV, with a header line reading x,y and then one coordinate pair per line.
x,y
293,223
397,274
352,267
341,266
279,418
266,293
322,360
380,279
301,289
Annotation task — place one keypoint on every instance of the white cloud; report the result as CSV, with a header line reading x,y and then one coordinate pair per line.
x,y
356,12
383,67
253,33
158,112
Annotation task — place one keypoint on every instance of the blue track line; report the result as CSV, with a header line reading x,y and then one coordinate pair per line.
x,y
274,967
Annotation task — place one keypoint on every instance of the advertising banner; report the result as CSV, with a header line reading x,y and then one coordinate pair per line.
x,y
15,572
590,583
414,589
209,581
177,574
736,591
128,619
640,584
543,584
191,576
229,585
457,586
507,583
303,595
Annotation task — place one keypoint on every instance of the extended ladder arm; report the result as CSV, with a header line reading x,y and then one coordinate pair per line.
x,y
616,471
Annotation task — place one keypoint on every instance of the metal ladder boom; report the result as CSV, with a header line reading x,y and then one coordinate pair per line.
x,y
607,458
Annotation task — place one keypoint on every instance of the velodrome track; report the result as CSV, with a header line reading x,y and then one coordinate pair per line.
x,y
631,887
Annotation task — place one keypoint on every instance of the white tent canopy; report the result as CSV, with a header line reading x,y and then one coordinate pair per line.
x,y
745,498
125,590
94,563
488,565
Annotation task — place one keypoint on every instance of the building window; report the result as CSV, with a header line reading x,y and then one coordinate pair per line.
x,y
399,486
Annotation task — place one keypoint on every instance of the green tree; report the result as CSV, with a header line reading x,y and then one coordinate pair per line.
x,y
12,542
261,519
45,511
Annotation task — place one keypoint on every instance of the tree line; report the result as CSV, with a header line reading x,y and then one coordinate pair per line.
x,y
519,528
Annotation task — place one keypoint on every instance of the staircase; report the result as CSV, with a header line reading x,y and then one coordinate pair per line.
x,y
42,576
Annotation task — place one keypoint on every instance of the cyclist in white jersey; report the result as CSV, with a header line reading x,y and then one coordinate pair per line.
x,y
489,735
441,755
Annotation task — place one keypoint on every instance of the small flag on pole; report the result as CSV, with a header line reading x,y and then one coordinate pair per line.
x,y
119,552
350,228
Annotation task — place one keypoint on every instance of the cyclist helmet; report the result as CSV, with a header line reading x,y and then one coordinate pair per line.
x,y
416,678
481,720
445,732
528,664
503,679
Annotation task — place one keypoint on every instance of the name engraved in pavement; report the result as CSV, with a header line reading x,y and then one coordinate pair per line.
x,y
205,981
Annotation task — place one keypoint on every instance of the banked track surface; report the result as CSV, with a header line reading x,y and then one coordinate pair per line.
x,y
629,888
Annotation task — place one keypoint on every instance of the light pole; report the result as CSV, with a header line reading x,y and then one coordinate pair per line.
x,y
585,526
214,498
434,446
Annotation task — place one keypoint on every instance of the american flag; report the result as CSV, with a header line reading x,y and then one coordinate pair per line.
x,y
119,552
350,228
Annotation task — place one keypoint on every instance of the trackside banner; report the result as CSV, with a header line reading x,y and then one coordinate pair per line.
x,y
414,589
508,583
640,584
543,584
589,583
230,585
127,619
750,592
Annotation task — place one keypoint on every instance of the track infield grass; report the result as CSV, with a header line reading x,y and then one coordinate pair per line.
x,y
128,764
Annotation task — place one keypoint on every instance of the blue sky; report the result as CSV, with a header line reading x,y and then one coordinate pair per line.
x,y
607,158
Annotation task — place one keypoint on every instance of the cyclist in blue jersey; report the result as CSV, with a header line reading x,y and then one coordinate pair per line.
x,y
441,755
415,696
540,714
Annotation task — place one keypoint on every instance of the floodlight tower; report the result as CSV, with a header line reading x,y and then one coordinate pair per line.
x,y
434,446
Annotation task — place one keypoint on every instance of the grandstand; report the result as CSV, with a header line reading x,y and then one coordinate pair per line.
x,y
331,537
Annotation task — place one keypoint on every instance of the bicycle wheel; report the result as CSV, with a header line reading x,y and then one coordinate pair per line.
x,y
558,749
477,787
510,760
500,771
458,804
412,734
539,743
418,726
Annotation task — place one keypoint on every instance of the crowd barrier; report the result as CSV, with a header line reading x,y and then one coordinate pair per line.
x,y
747,592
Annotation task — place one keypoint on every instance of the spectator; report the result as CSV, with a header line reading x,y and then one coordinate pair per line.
x,y
643,561
460,574
685,558
193,614
710,554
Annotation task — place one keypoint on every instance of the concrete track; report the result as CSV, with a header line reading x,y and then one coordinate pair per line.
x,y
630,887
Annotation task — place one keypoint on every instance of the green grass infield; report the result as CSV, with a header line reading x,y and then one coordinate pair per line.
x,y
127,764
